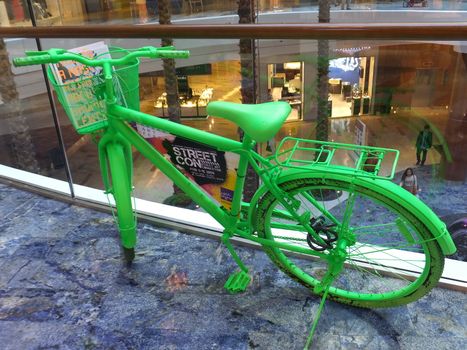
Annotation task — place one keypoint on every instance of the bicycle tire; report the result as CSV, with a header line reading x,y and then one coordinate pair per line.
x,y
120,180
371,292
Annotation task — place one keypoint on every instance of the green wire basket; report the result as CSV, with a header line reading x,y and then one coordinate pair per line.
x,y
84,99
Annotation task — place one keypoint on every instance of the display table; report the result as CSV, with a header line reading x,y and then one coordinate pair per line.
x,y
296,104
366,104
356,105
186,111
335,85
346,90
195,107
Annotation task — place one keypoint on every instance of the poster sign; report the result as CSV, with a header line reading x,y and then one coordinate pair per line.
x,y
360,133
204,165
359,138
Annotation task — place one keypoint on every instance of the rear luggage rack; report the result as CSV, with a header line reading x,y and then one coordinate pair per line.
x,y
366,161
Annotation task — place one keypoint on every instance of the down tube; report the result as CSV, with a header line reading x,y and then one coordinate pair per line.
x,y
168,169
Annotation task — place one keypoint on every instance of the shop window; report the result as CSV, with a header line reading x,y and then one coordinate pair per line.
x,y
349,86
285,84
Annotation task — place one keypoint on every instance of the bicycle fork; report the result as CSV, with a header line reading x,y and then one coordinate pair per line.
x,y
115,161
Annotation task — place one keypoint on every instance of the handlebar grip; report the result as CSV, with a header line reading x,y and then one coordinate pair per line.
x,y
35,53
173,53
31,60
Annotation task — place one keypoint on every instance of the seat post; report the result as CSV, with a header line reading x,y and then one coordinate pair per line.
x,y
247,144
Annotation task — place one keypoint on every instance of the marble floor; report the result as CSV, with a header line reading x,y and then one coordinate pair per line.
x,y
340,108
63,286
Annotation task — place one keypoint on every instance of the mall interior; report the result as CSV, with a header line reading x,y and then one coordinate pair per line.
x,y
381,92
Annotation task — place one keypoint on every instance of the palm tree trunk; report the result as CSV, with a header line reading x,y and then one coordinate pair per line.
x,y
322,132
171,86
248,89
21,143
247,50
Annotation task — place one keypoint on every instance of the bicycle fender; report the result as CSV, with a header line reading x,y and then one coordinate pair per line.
x,y
382,186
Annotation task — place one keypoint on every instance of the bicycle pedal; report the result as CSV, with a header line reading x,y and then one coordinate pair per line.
x,y
237,282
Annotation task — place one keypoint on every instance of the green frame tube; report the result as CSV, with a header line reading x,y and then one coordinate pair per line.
x,y
118,118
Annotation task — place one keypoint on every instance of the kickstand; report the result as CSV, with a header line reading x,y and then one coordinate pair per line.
x,y
239,281
318,315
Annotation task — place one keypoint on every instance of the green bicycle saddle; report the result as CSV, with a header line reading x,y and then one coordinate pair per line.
x,y
260,121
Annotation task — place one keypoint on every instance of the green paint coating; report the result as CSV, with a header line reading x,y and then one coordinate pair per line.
x,y
289,182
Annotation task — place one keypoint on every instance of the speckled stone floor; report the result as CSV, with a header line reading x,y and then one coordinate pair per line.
x,y
63,286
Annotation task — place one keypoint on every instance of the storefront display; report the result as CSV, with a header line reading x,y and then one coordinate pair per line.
x,y
4,20
285,84
192,105
365,104
47,12
16,12
350,85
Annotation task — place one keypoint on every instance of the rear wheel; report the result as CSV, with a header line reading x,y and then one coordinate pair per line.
x,y
391,258
120,187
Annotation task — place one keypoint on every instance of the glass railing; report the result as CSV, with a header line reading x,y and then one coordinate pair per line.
x,y
28,132
380,93
79,12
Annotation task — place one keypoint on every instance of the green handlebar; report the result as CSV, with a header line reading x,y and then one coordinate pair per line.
x,y
28,61
57,55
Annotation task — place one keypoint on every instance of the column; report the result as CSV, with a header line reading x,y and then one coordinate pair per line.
x,y
456,130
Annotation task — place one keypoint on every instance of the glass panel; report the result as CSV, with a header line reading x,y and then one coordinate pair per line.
x,y
199,80
379,93
407,96
14,13
358,10
28,135
76,12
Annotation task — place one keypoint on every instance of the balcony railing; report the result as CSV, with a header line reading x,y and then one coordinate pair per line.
x,y
452,34
395,31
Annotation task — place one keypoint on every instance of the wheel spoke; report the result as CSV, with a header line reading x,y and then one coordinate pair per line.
x,y
320,207
391,270
415,250
394,258
389,249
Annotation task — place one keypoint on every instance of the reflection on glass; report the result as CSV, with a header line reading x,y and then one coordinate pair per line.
x,y
76,12
285,84
28,136
197,85
380,94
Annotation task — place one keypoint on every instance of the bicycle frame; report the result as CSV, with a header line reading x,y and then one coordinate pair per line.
x,y
118,130
118,118
121,132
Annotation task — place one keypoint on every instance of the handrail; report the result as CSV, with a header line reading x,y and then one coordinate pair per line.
x,y
376,31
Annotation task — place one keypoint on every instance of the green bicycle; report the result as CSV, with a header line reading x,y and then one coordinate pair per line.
x,y
346,232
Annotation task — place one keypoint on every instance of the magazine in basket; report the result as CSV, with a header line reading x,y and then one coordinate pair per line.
x,y
81,88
